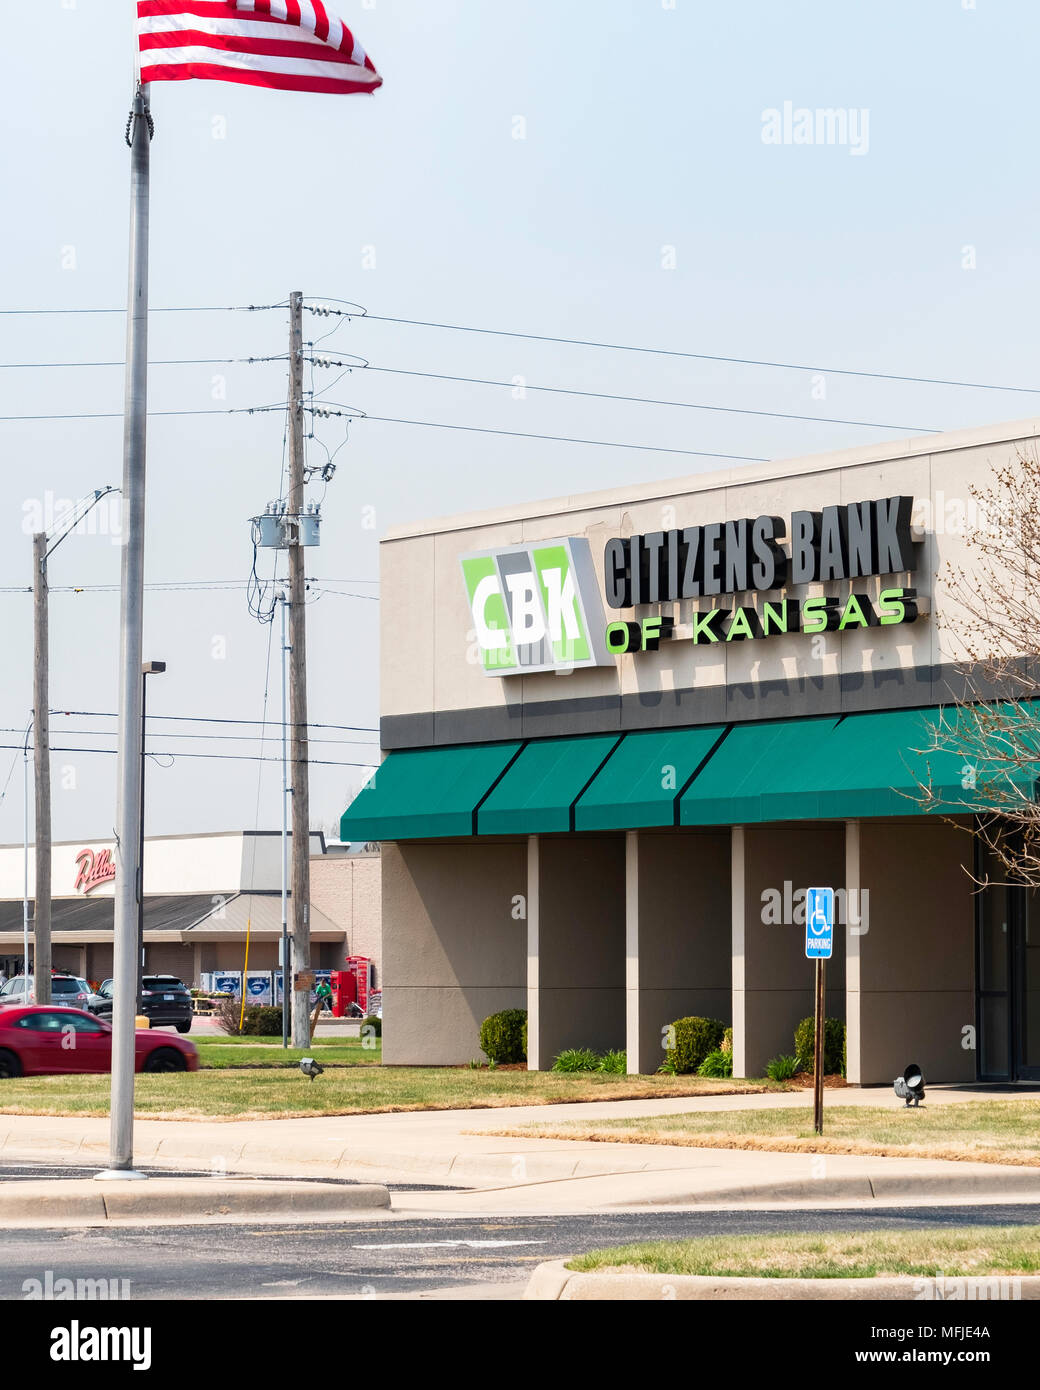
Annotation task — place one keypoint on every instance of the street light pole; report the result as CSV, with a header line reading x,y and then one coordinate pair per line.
x,y
44,546
286,961
25,864
42,771
150,668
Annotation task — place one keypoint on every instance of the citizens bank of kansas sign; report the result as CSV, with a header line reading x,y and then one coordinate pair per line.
x,y
538,608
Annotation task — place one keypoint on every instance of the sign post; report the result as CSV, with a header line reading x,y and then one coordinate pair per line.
x,y
819,946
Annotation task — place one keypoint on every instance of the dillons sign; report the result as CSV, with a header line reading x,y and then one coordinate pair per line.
x,y
537,607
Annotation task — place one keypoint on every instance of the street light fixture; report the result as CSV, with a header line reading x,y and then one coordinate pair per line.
x,y
150,668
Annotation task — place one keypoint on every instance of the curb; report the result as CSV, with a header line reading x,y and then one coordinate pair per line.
x,y
553,1281
340,1158
83,1201
887,1188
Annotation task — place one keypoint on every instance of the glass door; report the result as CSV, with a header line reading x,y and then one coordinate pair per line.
x,y
995,908
1008,976
1027,970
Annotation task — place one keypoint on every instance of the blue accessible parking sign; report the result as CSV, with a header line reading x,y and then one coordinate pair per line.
x,y
819,923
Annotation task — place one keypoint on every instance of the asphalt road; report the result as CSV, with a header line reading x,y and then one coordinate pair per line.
x,y
406,1256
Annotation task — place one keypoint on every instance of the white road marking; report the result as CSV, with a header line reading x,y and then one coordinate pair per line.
x,y
449,1244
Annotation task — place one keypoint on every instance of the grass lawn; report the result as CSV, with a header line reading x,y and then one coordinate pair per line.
x,y
246,1094
991,1131
972,1251
268,1052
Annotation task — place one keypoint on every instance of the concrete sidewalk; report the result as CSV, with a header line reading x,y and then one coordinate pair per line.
x,y
525,1175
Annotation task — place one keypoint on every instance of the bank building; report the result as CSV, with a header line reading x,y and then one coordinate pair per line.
x,y
624,732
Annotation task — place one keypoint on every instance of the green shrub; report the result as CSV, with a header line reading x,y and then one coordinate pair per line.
x,y
258,1020
833,1045
502,1036
691,1040
782,1068
614,1062
523,1037
576,1059
717,1063
371,1026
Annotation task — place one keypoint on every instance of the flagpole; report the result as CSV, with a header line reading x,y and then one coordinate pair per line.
x,y
128,884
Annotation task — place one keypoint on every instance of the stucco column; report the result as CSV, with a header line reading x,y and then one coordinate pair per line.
x,y
853,937
454,945
533,978
911,986
772,866
575,945
677,934
737,976
633,1041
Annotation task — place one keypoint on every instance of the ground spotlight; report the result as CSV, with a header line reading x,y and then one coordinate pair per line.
x,y
310,1067
909,1086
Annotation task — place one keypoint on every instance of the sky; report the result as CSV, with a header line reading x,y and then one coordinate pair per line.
x,y
616,171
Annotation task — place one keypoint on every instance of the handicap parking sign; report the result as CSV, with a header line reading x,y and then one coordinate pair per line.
x,y
819,923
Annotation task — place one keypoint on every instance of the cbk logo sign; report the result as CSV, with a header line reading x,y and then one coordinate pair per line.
x,y
536,607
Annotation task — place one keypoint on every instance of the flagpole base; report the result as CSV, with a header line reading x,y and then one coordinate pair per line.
x,y
120,1175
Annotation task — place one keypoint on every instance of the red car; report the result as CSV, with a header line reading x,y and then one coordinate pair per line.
x,y
41,1040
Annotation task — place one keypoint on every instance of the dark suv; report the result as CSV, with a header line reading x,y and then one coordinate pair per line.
x,y
164,999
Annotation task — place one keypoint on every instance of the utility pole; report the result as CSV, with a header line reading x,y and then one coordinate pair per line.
x,y
301,839
41,773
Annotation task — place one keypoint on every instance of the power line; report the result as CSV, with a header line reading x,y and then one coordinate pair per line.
x,y
480,381
357,311
633,400
172,309
672,352
220,757
155,362
353,414
205,719
190,586
152,414
349,413
228,738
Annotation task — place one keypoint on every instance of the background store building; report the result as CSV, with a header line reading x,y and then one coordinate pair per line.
x,y
201,891
626,731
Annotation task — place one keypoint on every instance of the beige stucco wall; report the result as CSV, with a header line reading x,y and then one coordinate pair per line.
x,y
773,982
911,977
431,666
678,935
576,945
455,947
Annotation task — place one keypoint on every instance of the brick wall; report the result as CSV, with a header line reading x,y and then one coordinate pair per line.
x,y
346,887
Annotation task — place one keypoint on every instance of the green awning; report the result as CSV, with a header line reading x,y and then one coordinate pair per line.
x,y
753,762
427,792
860,765
538,792
641,783
891,764
832,768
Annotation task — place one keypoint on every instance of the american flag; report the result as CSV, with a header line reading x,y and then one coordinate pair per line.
x,y
295,45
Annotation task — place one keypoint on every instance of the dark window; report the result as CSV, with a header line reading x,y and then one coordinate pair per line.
x,y
44,1023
